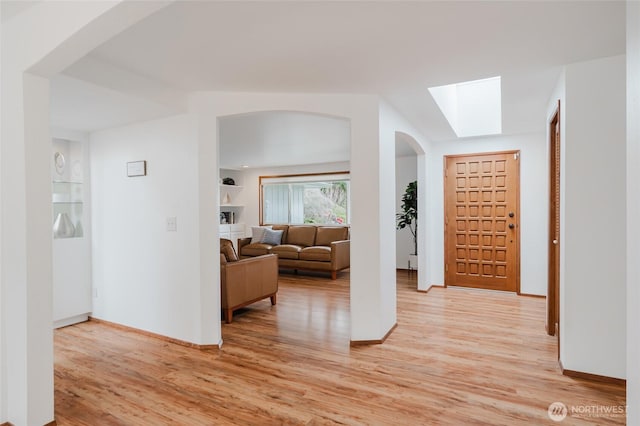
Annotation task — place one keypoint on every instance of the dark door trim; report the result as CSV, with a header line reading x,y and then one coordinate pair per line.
x,y
553,288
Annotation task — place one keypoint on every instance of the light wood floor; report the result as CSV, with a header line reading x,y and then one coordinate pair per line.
x,y
457,357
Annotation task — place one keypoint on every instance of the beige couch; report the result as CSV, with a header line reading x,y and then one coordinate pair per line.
x,y
243,282
305,247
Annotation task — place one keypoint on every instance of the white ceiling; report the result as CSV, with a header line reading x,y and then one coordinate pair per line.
x,y
396,49
281,138
83,106
11,8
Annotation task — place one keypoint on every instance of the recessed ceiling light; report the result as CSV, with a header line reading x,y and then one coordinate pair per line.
x,y
244,166
472,108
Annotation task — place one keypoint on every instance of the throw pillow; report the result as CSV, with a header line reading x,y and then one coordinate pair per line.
x,y
257,233
229,253
272,237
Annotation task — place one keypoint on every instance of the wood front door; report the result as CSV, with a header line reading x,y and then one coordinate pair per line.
x,y
482,219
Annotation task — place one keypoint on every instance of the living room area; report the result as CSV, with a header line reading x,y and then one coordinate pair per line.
x,y
285,191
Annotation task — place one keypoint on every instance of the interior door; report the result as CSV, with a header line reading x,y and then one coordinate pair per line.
x,y
553,291
482,219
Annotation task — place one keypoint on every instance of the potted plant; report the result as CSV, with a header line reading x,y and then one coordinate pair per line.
x,y
408,218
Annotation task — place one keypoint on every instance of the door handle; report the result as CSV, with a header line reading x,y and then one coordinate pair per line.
x,y
511,226
555,241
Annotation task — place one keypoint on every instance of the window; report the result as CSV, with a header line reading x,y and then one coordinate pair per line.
x,y
472,108
311,198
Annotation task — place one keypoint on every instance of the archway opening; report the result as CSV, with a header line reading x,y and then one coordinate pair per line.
x,y
410,217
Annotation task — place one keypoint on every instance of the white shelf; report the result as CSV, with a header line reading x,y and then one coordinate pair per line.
x,y
237,187
231,201
232,227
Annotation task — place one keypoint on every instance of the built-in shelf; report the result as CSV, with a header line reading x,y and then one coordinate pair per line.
x,y
66,192
227,187
71,266
227,195
67,200
231,201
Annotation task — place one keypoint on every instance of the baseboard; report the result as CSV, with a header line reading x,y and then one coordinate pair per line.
x,y
71,321
541,296
591,377
373,342
430,287
155,335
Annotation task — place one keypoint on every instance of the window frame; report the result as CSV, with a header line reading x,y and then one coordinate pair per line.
x,y
305,177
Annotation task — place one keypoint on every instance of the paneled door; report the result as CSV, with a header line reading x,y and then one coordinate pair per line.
x,y
482,219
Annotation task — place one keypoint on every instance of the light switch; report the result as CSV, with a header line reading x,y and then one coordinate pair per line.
x,y
172,224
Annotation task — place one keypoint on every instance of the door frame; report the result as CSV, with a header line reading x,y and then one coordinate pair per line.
x,y
552,323
444,188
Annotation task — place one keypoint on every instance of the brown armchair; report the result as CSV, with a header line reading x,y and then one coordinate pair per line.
x,y
243,282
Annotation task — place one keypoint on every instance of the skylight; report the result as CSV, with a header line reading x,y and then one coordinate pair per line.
x,y
472,108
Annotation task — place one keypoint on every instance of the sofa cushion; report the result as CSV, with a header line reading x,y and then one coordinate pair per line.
x,y
286,251
328,234
272,237
318,253
301,235
226,248
255,249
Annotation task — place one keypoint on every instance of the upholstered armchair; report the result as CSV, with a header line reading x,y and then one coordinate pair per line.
x,y
243,282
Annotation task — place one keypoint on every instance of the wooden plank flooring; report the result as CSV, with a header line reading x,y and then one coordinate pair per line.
x,y
457,357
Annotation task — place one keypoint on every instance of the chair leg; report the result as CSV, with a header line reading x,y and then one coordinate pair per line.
x,y
228,315
273,299
334,275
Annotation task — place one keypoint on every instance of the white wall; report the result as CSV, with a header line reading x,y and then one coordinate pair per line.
x,y
406,171
144,276
250,195
593,320
385,212
370,311
533,203
25,185
392,127
3,343
633,212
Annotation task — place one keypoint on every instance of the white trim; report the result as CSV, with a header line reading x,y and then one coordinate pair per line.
x,y
306,178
